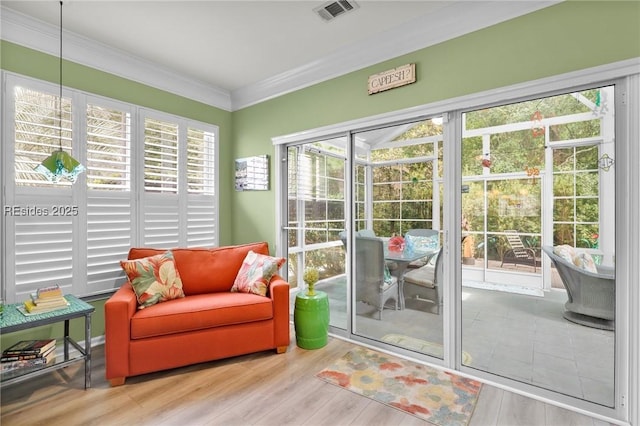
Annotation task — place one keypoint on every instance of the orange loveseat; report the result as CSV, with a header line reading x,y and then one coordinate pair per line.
x,y
209,323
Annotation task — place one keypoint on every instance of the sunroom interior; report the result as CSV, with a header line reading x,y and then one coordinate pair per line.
x,y
534,173
502,317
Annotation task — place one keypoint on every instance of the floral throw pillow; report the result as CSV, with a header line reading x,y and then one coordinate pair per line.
x,y
154,279
255,273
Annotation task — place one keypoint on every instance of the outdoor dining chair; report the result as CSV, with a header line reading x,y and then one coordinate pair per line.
x,y
373,286
424,283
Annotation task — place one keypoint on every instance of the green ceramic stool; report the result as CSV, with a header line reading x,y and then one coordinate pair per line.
x,y
311,319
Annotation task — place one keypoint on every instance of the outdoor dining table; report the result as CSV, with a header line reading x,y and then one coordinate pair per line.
x,y
403,259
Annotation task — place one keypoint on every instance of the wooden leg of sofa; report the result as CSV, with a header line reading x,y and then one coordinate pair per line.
x,y
281,349
118,381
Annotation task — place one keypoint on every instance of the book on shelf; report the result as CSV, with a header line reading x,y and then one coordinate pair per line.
x,y
30,347
47,354
6,358
43,359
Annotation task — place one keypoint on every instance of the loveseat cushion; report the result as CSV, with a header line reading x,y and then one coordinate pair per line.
x,y
206,270
199,312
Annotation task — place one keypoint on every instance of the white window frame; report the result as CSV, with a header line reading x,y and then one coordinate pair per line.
x,y
78,194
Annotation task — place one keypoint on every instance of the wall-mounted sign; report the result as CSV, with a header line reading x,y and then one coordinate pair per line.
x,y
405,74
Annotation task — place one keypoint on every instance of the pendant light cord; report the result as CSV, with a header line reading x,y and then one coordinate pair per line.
x,y
60,74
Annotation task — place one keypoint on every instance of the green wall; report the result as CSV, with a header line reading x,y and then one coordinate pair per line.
x,y
566,37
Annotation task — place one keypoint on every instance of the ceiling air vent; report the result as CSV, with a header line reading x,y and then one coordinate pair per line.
x,y
332,9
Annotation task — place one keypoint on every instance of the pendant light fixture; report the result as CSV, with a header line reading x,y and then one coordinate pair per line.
x,y
60,164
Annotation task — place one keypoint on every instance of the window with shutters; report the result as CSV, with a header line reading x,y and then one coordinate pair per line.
x,y
40,234
201,179
109,205
150,180
200,161
160,156
161,215
108,148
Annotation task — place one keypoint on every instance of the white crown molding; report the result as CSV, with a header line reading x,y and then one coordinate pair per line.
x,y
453,20
38,35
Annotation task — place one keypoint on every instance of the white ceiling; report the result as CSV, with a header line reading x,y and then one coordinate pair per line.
x,y
248,51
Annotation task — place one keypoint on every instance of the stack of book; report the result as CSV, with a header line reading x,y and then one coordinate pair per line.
x,y
45,300
27,354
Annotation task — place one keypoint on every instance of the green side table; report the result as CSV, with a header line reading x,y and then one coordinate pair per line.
x,y
311,319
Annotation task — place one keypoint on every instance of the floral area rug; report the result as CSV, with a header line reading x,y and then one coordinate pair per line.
x,y
436,396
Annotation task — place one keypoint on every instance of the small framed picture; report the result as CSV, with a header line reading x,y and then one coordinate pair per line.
x,y
252,173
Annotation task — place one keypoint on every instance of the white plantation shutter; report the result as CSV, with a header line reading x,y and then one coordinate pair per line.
x,y
108,149
41,228
201,224
161,221
160,194
179,185
109,238
200,161
160,156
161,208
109,205
44,241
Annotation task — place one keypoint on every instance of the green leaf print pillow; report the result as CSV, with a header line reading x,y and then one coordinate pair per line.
x,y
154,279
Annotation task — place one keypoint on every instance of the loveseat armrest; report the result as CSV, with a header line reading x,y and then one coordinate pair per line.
x,y
279,293
118,311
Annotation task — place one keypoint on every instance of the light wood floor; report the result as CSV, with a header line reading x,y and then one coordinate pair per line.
x,y
257,389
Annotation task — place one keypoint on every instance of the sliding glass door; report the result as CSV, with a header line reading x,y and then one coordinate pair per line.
x,y
397,282
390,186
538,293
524,292
315,210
